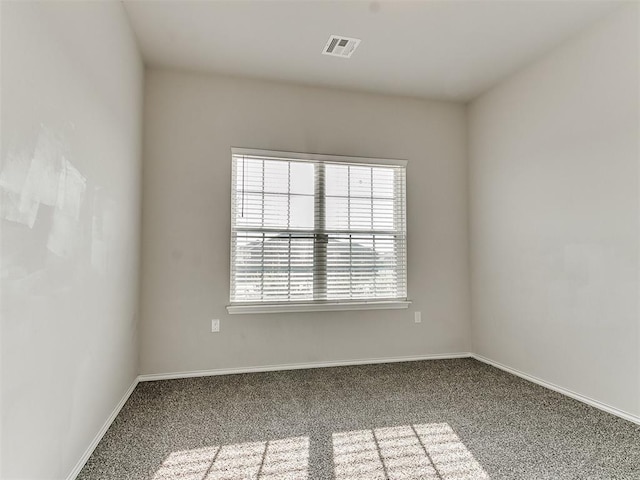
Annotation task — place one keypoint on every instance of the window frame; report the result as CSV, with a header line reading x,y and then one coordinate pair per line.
x,y
315,305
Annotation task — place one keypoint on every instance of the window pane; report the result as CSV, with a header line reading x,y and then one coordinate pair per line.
x,y
301,214
382,214
272,267
302,178
360,181
337,213
337,180
383,182
276,210
360,213
248,209
301,268
276,176
247,267
363,266
250,175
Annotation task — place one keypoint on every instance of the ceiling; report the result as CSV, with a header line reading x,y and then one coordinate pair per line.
x,y
451,50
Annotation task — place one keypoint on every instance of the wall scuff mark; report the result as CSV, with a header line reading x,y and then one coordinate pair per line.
x,y
65,233
46,178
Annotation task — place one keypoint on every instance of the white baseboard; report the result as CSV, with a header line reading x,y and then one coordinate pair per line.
x,y
94,443
298,366
576,396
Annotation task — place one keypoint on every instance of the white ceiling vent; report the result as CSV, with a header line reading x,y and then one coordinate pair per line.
x,y
338,46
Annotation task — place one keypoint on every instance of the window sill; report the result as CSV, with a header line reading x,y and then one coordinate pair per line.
x,y
317,307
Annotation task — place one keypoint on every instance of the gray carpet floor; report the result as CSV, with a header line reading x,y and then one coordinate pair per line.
x,y
442,420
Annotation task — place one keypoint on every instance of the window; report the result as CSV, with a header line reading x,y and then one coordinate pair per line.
x,y
316,232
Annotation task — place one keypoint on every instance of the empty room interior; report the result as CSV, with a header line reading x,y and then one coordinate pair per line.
x,y
309,240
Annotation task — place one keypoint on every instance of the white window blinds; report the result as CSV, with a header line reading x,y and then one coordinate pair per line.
x,y
311,228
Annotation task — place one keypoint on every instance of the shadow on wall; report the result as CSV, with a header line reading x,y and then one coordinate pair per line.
x,y
428,451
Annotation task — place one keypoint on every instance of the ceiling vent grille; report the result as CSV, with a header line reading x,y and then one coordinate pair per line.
x,y
338,46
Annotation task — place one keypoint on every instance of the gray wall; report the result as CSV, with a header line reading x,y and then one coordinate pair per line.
x,y
554,201
72,85
191,122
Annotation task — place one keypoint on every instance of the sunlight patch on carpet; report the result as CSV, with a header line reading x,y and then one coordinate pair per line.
x,y
285,459
409,452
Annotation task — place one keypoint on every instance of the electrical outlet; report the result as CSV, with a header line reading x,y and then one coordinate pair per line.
x,y
417,317
215,325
